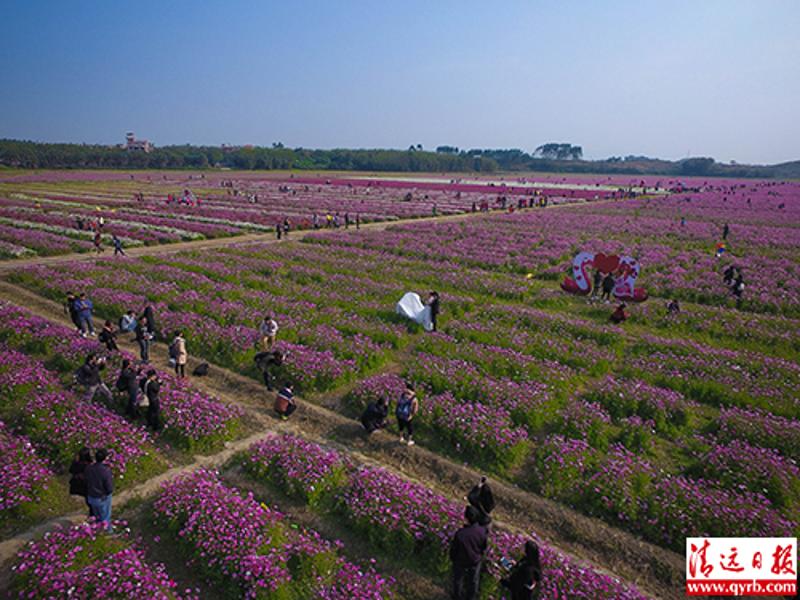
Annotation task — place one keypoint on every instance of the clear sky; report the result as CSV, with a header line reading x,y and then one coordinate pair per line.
x,y
662,78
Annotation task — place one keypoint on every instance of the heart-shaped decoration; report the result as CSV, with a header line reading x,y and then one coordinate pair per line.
x,y
606,263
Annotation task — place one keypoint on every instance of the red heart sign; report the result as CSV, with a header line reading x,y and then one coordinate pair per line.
x,y
606,264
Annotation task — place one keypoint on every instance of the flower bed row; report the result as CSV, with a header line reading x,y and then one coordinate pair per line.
x,y
193,419
23,474
409,520
84,562
256,551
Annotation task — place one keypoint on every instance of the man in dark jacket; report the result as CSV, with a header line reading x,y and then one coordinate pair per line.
x,y
99,488
127,383
151,386
89,377
71,308
466,553
266,361
482,498
433,302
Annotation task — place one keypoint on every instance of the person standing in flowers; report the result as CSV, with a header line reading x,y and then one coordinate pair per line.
x,y
466,554
126,382
143,338
608,287
433,303
71,308
83,308
98,243
406,410
525,579
596,285
77,483
482,498
151,386
100,488
268,330
178,353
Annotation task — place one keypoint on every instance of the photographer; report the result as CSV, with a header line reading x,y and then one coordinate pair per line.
x,y
126,382
89,377
525,578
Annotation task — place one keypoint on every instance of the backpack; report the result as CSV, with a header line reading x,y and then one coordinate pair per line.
x,y
403,410
201,370
173,350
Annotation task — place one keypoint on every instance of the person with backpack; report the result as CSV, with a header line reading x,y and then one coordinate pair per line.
x,y
285,403
143,338
406,410
466,555
71,309
151,386
89,377
268,330
126,383
177,352
524,581
100,488
374,416
108,337
265,362
84,308
77,483
482,498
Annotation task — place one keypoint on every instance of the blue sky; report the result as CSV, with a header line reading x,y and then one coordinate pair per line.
x,y
661,78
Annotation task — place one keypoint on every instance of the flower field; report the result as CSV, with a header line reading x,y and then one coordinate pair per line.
x,y
666,426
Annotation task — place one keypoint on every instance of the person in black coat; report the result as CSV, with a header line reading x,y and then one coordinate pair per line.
x,y
466,553
482,498
433,302
77,483
266,362
525,579
608,286
127,383
151,321
151,386
375,414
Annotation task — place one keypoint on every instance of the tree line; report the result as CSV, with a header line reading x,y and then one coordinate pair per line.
x,y
551,157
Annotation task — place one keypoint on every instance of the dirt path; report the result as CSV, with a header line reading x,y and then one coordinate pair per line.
x,y
655,570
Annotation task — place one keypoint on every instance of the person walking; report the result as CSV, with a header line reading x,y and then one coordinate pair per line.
x,y
77,483
108,336
151,386
71,309
466,555
100,488
608,287
126,382
433,303
178,353
143,338
374,416
88,375
482,498
406,410
525,579
265,362
117,246
84,308
285,403
98,243
268,329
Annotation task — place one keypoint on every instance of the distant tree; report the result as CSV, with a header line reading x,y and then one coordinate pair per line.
x,y
447,149
558,151
696,166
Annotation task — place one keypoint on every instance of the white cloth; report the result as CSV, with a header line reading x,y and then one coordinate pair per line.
x,y
411,307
